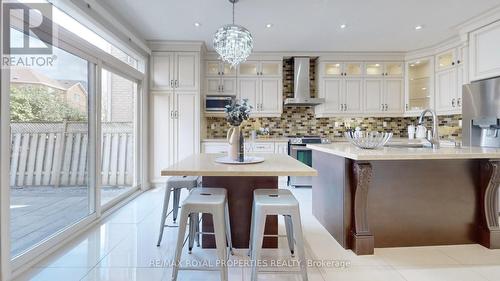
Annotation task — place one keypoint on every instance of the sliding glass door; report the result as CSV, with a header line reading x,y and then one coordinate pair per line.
x,y
49,159
118,136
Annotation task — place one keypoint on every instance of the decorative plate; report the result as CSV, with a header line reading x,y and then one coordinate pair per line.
x,y
248,160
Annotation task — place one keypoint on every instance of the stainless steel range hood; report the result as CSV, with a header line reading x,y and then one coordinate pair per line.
x,y
302,89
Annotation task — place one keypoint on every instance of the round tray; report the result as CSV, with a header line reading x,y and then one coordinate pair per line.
x,y
248,160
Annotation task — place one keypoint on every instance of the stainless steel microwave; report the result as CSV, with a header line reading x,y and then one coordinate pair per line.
x,y
218,103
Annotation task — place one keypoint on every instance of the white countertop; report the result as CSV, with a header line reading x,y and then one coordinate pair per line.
x,y
350,151
274,165
283,139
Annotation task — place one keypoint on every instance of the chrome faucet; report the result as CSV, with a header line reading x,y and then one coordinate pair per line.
x,y
434,139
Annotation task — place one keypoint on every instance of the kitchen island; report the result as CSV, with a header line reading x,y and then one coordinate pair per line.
x,y
395,197
240,182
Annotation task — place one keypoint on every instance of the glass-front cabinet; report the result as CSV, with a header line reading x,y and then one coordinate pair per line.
x,y
420,85
446,60
249,68
218,68
260,68
389,69
349,69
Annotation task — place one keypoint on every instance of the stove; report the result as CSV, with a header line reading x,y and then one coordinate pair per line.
x,y
298,150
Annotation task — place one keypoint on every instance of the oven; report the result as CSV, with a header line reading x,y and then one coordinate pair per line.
x,y
218,103
298,150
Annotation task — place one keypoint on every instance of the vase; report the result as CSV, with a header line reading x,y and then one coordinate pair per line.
x,y
236,145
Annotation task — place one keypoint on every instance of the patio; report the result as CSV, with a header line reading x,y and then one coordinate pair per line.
x,y
38,212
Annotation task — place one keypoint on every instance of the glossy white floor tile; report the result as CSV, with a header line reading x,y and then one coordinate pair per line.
x,y
123,247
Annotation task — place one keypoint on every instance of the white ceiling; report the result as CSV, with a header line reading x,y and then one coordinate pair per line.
x,y
305,25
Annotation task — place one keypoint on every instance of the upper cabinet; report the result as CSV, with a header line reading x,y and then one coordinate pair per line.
x,y
388,69
484,55
175,70
341,69
261,83
420,85
450,77
360,88
220,78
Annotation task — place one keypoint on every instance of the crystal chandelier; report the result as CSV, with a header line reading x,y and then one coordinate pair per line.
x,y
233,42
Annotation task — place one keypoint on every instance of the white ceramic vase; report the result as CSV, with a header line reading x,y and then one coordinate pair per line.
x,y
233,138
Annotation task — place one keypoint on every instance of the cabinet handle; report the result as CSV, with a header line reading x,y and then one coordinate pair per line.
x,y
345,106
453,102
176,114
453,63
222,87
222,72
171,83
459,102
458,61
386,74
341,107
218,73
177,83
386,107
172,114
406,106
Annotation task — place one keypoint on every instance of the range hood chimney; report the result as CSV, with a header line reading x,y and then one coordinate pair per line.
x,y
301,86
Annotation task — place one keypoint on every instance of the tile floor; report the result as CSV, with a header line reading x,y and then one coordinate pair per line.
x,y
123,247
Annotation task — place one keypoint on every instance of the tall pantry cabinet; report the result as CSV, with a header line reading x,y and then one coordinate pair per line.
x,y
175,104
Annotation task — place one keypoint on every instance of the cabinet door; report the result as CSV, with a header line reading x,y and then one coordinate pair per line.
x,y
271,96
213,68
484,44
228,86
373,95
332,93
446,90
394,69
213,85
394,95
162,70
186,71
227,70
271,68
162,129
331,69
249,68
446,60
353,69
248,88
374,69
186,132
353,93
461,81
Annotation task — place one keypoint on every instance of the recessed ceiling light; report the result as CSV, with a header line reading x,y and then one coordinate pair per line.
x,y
418,27
424,88
269,25
343,25
197,24
412,65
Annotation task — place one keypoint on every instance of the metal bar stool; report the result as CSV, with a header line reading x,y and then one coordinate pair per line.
x,y
276,202
206,201
175,184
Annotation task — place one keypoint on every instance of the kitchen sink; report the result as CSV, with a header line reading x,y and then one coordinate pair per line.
x,y
406,145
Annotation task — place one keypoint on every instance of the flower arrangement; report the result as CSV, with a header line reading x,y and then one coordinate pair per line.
x,y
237,113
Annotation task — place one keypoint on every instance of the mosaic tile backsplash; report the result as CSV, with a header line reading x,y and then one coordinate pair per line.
x,y
300,121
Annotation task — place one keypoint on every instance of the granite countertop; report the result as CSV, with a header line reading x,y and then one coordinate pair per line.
x,y
348,150
274,165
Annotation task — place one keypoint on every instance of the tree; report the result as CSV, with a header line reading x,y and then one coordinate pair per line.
x,y
35,103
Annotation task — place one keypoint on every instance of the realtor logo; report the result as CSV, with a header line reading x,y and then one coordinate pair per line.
x,y
33,20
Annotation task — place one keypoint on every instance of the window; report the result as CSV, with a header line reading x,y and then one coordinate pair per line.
x,y
49,161
118,123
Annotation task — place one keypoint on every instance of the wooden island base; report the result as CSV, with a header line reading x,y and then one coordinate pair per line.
x,y
395,203
240,196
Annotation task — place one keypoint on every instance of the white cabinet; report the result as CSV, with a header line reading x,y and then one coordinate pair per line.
x,y
484,49
340,69
175,70
175,104
450,77
419,93
381,69
383,95
261,83
342,96
216,147
220,78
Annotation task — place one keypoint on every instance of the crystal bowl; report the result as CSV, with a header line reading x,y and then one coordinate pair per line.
x,y
368,140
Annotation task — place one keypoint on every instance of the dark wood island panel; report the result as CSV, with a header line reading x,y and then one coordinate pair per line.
x,y
391,203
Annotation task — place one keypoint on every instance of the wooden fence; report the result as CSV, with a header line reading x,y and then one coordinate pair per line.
x,y
56,154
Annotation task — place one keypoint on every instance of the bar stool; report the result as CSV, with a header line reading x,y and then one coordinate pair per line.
x,y
175,184
276,202
206,201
